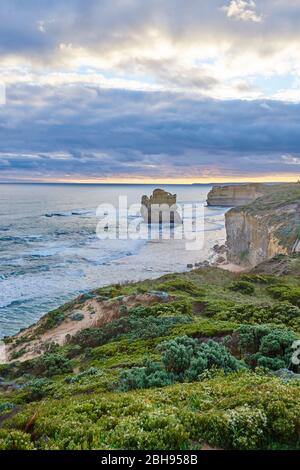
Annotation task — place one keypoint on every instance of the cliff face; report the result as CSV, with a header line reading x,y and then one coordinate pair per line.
x,y
249,239
232,196
265,228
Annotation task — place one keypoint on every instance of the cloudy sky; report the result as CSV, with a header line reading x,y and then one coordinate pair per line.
x,y
140,90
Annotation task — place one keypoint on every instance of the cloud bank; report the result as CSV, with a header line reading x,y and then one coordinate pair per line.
x,y
82,132
132,89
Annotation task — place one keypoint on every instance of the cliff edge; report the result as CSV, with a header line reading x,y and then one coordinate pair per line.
x,y
235,195
267,227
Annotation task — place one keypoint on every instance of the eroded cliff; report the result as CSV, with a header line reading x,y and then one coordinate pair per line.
x,y
265,228
235,195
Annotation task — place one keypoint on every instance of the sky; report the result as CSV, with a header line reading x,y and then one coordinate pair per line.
x,y
149,90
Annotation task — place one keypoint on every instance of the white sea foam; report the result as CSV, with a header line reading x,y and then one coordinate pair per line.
x,y
45,261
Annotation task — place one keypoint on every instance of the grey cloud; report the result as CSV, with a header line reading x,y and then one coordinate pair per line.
x,y
169,72
102,25
104,133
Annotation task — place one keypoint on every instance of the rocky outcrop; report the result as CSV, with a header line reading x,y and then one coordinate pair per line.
x,y
267,227
235,195
249,239
279,266
160,208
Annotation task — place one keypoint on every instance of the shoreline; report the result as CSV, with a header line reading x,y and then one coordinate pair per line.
x,y
154,259
58,334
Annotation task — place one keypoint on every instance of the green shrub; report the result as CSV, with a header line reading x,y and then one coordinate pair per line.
x,y
139,324
186,356
180,308
123,310
151,375
49,365
214,307
15,440
180,285
249,337
281,313
151,431
244,287
52,320
178,353
72,350
242,428
212,355
264,346
46,365
155,327
38,389
134,378
182,359
245,410
17,354
92,371
272,363
76,316
6,407
197,367
259,278
286,293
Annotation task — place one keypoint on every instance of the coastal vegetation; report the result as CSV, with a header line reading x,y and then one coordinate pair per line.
x,y
208,362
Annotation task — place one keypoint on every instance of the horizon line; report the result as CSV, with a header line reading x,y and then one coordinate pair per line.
x,y
154,181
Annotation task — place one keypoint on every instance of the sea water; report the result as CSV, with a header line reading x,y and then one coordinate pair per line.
x,y
49,251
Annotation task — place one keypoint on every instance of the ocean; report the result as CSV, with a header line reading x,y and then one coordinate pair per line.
x,y
49,251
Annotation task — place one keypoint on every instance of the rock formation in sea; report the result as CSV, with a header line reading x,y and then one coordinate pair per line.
x,y
235,195
160,208
267,227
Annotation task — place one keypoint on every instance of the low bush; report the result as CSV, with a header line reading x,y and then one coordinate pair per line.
x,y
212,355
151,430
245,410
37,389
214,307
15,440
17,354
241,428
286,293
91,372
178,353
52,320
49,365
180,285
259,278
138,324
72,350
244,287
183,359
280,313
151,375
177,308
6,407
263,346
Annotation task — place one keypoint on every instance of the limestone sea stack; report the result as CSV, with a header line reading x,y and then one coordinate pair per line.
x,y
160,208
235,195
